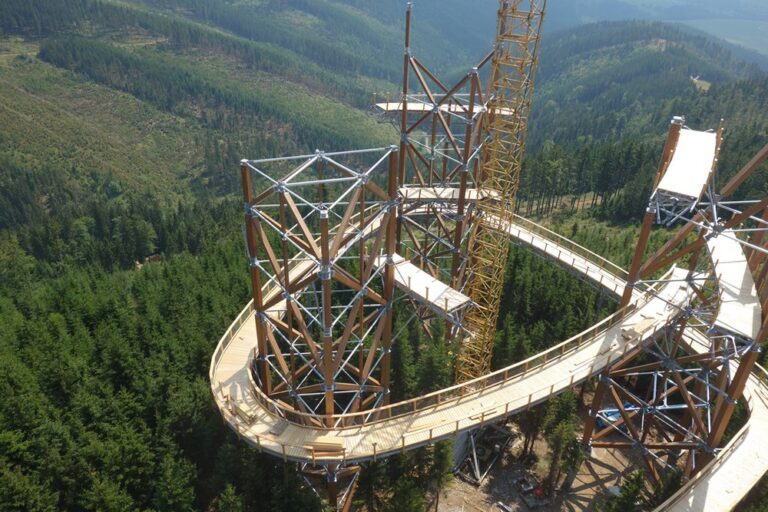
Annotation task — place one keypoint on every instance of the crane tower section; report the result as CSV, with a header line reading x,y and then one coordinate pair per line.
x,y
510,92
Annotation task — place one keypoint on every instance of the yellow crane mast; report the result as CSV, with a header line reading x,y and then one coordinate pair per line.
x,y
518,38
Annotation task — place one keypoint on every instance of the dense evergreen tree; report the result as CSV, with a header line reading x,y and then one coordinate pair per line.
x,y
629,497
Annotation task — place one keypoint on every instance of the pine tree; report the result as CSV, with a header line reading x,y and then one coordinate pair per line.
x,y
404,379
530,423
406,497
229,500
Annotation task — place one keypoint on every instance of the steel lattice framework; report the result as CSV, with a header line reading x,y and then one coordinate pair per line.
x,y
673,398
316,237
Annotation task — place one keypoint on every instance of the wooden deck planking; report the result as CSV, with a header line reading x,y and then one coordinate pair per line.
x,y
424,287
719,486
740,310
423,107
537,386
442,194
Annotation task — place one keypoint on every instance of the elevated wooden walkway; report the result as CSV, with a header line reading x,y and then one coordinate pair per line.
x,y
423,287
442,194
422,107
740,309
270,427
418,422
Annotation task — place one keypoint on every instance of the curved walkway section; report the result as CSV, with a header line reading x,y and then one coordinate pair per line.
x,y
405,426
272,427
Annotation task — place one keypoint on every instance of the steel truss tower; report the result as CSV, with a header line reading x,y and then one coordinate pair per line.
x,y
461,153
331,236
673,398
320,233
316,238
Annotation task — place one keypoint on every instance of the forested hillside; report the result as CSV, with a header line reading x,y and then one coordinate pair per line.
x,y
121,255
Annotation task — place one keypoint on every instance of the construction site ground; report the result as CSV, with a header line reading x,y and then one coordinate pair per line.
x,y
604,469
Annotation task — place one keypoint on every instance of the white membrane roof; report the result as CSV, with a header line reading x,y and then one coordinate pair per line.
x,y
691,165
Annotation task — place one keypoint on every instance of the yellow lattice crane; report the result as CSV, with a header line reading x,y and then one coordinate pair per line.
x,y
518,38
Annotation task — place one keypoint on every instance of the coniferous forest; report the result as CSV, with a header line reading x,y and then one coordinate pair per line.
x,y
121,252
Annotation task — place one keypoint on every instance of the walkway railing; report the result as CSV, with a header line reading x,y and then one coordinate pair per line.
x,y
571,246
429,401
408,407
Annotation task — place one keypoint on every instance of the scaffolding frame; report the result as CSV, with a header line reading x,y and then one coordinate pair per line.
x,y
515,60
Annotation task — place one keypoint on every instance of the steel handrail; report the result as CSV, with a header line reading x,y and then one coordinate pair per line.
x,y
580,250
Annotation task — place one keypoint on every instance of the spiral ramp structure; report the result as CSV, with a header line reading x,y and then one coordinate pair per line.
x,y
338,241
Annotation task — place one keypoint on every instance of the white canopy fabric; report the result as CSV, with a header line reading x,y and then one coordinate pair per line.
x,y
740,310
691,165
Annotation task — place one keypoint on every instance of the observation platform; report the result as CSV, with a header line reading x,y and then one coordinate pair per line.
x,y
420,107
423,287
687,175
740,309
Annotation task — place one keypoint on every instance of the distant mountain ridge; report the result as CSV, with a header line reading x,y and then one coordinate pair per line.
x,y
248,79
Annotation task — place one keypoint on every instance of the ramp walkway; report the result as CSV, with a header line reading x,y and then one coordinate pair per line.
x,y
740,310
423,287
275,428
743,462
424,107
442,194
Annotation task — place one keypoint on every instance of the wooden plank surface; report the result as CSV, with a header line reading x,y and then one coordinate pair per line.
x,y
740,310
719,487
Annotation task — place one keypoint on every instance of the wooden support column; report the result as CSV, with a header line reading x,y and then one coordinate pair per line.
x,y
327,305
258,300
725,410
389,276
461,208
650,215
597,402
287,282
402,154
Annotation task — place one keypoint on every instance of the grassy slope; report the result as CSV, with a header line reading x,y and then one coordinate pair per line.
x,y
369,35
53,118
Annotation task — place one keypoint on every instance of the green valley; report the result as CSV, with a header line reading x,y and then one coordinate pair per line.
x,y
122,260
